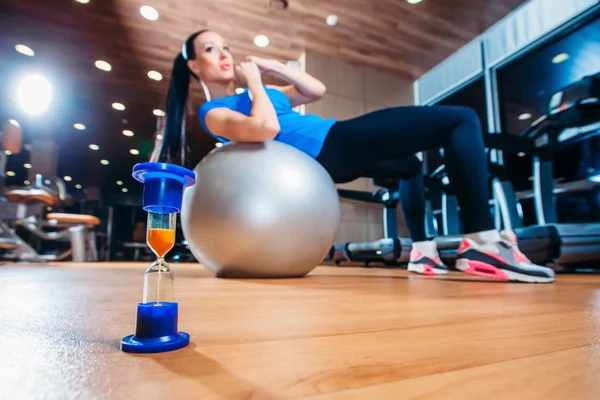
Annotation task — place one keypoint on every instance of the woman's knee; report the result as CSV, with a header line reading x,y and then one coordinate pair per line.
x,y
413,166
466,115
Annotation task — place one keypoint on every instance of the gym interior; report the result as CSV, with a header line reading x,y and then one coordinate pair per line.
x,y
123,276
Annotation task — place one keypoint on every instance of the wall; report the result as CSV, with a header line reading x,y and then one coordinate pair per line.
x,y
352,91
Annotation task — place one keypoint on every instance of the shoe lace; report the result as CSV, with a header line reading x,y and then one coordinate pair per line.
x,y
512,244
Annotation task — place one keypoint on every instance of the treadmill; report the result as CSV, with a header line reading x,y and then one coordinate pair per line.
x,y
573,115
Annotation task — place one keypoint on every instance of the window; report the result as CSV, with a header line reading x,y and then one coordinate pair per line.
x,y
525,87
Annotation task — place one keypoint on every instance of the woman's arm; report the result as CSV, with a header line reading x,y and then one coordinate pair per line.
x,y
304,88
260,126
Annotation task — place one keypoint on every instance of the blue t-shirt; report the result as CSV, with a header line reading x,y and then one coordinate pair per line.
x,y
304,132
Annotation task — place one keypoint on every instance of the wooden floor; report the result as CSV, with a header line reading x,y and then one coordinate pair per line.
x,y
339,333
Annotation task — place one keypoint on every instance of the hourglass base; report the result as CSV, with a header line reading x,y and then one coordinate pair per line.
x,y
156,330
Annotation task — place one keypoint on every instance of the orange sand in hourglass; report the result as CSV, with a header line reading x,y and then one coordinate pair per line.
x,y
161,240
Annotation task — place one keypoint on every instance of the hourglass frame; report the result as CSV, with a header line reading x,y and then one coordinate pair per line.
x,y
157,315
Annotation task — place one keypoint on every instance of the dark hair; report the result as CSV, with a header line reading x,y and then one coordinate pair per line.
x,y
174,135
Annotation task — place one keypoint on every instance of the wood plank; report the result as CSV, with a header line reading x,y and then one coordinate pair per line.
x,y
338,333
567,374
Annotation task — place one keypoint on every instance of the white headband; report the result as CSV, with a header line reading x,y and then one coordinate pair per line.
x,y
184,52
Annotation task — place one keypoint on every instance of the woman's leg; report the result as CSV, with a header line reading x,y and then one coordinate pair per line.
x,y
355,145
412,197
409,171
424,257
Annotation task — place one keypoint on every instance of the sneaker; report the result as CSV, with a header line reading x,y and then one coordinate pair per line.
x,y
421,264
503,261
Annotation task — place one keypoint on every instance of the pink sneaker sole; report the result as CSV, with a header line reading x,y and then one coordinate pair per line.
x,y
479,268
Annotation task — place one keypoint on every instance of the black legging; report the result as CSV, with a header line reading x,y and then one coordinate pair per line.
x,y
354,146
412,191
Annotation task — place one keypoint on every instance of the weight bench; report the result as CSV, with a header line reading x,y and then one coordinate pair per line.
x,y
76,228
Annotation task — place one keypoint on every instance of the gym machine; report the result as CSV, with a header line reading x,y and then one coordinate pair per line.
x,y
77,229
394,250
390,250
22,211
573,115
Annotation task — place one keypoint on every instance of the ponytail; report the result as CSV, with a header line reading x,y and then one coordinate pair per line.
x,y
176,102
174,141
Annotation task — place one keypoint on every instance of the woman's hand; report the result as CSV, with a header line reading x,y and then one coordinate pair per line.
x,y
265,65
251,72
303,89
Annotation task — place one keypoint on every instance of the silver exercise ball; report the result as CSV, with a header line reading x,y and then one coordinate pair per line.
x,y
260,210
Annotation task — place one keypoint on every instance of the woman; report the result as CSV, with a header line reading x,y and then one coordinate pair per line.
x,y
346,149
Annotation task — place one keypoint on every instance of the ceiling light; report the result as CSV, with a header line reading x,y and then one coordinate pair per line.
x,y
79,127
7,152
104,162
159,136
119,183
521,154
27,165
135,152
10,173
149,13
127,132
155,76
524,116
124,190
118,106
261,41
562,57
27,182
83,1
34,94
103,65
94,147
332,20
78,186
25,50
218,144
413,1
595,178
239,90
158,113
67,178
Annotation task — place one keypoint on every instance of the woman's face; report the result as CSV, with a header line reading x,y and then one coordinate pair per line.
x,y
213,62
